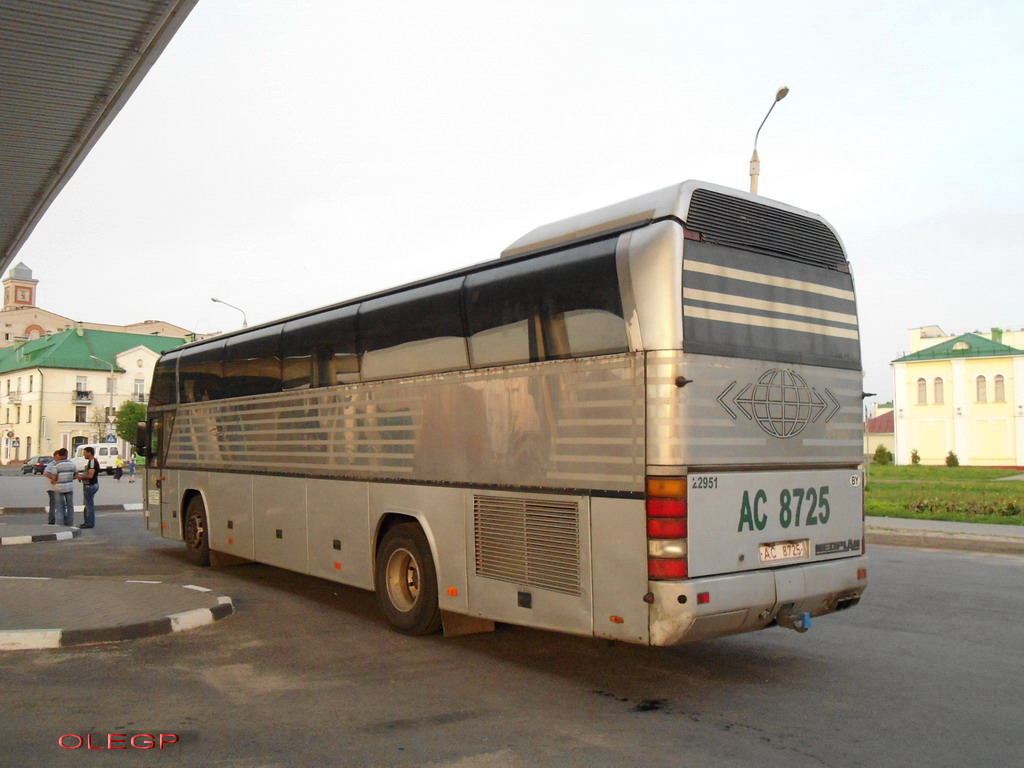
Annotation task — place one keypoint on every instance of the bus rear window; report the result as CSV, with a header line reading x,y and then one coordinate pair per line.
x,y
738,303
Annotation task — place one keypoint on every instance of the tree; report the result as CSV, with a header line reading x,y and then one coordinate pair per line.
x,y
98,421
127,420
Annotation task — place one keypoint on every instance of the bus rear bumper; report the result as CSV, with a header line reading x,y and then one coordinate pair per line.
x,y
715,606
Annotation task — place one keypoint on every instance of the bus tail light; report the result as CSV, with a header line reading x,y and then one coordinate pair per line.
x,y
667,528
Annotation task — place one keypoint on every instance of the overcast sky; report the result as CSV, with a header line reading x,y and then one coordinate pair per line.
x,y
287,155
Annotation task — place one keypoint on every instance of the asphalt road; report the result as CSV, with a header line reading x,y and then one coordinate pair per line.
x,y
19,491
925,672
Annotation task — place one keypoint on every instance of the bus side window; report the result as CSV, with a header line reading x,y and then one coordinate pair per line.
x,y
201,373
413,332
564,304
252,363
296,356
582,306
334,339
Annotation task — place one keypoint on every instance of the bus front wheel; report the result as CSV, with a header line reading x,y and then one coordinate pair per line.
x,y
197,532
406,581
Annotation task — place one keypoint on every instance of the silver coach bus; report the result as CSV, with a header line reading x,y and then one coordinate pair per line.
x,y
642,423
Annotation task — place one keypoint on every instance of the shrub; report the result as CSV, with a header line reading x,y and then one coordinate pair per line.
x,y
952,460
915,457
883,456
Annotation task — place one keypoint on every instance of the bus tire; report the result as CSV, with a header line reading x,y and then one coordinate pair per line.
x,y
406,581
197,532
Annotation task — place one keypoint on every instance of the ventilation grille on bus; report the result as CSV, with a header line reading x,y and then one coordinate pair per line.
x,y
528,542
755,227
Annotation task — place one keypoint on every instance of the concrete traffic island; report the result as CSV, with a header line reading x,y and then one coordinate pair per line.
x,y
31,533
57,613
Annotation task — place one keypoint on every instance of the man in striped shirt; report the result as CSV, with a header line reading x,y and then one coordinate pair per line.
x,y
62,477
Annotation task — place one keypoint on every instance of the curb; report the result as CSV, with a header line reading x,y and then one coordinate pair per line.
x,y
40,639
131,507
932,540
59,536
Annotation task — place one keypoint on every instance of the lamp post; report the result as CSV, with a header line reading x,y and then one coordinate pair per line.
x,y
755,161
245,324
110,389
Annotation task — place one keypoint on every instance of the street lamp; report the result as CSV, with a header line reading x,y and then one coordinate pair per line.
x,y
110,387
221,301
755,162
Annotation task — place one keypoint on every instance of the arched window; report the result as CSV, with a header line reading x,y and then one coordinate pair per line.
x,y
939,393
982,391
999,391
922,392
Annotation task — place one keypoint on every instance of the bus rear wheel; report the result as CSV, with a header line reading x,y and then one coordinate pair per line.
x,y
406,581
197,532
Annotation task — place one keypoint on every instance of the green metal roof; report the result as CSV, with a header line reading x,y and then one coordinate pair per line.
x,y
75,349
968,345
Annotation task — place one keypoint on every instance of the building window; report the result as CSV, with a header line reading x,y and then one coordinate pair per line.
x,y
80,414
982,390
30,378
139,391
939,392
80,384
30,414
999,391
922,392
111,386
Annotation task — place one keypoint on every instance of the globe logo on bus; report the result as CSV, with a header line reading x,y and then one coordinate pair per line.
x,y
780,402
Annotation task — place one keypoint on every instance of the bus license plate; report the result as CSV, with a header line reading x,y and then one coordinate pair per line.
x,y
784,550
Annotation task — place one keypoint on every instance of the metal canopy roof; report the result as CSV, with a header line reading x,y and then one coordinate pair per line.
x,y
66,69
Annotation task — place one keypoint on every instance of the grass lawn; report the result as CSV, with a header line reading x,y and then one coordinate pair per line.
x,y
960,494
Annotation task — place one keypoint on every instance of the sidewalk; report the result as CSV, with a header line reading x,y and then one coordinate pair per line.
x,y
934,534
39,612
57,613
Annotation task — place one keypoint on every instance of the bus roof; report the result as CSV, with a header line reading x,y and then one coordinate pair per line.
x,y
670,202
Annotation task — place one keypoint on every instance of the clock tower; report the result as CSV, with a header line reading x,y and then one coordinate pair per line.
x,y
19,288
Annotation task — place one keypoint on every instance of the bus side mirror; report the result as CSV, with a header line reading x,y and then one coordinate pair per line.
x,y
142,439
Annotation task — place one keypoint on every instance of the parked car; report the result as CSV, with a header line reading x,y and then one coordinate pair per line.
x,y
35,465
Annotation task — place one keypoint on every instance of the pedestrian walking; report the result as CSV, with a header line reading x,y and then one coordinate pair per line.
x,y
131,469
90,478
62,478
51,518
118,469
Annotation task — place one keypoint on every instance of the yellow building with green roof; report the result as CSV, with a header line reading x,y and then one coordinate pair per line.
x,y
962,394
59,390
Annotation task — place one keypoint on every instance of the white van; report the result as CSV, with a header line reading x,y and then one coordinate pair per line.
x,y
106,453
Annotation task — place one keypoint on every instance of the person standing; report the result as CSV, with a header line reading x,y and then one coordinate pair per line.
x,y
51,518
62,478
90,478
118,469
131,469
